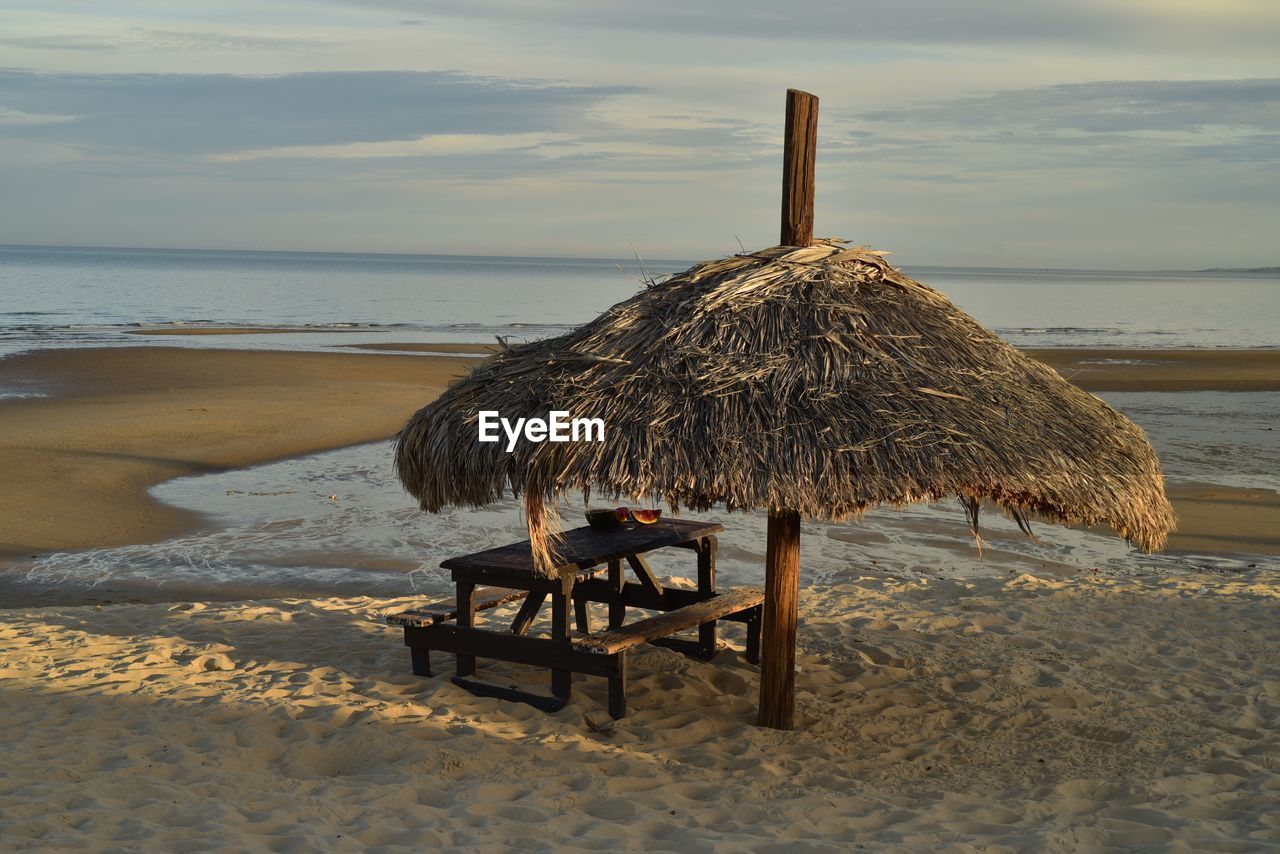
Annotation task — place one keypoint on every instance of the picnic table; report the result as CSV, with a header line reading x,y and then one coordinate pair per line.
x,y
592,571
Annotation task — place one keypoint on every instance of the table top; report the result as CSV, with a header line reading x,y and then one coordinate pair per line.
x,y
585,547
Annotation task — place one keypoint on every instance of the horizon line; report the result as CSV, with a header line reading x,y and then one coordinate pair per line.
x,y
637,259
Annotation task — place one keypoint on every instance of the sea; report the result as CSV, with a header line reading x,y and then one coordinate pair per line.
x,y
339,523
73,296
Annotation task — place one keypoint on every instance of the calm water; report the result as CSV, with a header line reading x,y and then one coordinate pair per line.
x,y
78,296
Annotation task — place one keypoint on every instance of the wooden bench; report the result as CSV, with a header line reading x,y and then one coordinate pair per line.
x,y
438,612
730,604
486,598
586,554
604,654
742,604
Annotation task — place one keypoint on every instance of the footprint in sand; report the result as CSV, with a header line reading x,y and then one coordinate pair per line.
x,y
216,661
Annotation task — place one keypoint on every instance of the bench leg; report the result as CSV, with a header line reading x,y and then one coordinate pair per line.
x,y
561,680
753,636
421,661
618,688
707,641
466,601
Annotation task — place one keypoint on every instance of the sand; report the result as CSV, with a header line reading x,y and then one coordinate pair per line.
x,y
1031,714
1221,519
1166,370
1092,370
78,465
419,347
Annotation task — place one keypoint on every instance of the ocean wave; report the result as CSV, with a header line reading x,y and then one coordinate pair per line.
x,y
22,331
1061,330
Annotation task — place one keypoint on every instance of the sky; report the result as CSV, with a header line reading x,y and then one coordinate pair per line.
x,y
1113,134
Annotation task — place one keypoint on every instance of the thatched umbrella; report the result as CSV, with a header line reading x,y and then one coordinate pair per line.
x,y
806,379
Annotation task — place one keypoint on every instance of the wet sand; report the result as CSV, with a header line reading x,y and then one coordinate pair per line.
x,y
417,347
78,464
1093,370
1223,519
1166,370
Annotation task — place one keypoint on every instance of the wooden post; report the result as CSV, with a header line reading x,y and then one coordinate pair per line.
x,y
798,154
782,560
781,598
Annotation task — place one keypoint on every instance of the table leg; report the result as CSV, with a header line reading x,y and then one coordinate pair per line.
x,y
528,612
707,588
466,602
617,608
753,636
582,615
561,680
421,661
644,573
618,687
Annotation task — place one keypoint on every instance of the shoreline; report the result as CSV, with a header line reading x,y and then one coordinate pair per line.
x,y
1165,370
122,420
1092,368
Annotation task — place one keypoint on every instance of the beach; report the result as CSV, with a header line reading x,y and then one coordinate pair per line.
x,y
1017,714
1053,709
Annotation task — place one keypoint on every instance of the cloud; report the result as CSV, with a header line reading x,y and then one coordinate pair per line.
x,y
13,118
1100,124
223,113
1107,107
433,145
476,129
161,40
208,40
62,42
985,22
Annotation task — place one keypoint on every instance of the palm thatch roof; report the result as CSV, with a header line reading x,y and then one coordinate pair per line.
x,y
818,379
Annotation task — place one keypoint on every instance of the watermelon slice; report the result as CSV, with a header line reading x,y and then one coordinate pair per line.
x,y
602,518
646,517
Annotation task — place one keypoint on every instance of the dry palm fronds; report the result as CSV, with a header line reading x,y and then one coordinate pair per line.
x,y
819,379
